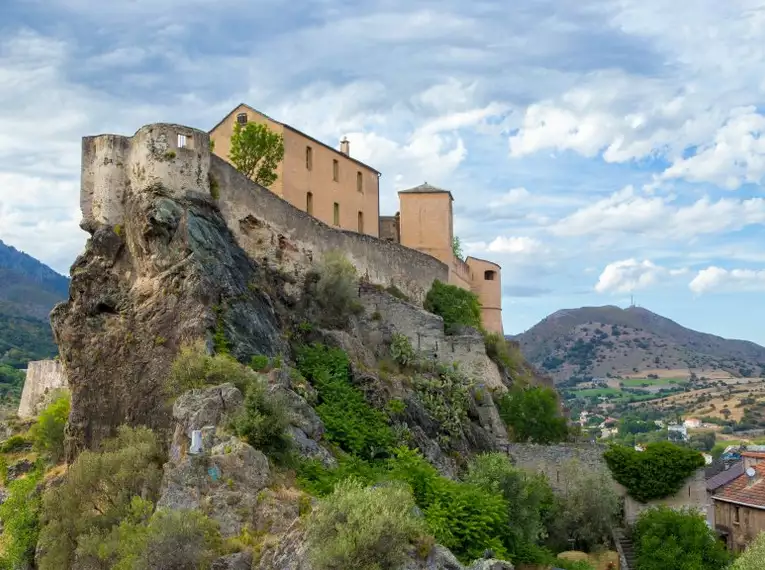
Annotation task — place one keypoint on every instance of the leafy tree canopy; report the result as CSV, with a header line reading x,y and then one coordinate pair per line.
x,y
532,415
655,473
256,151
457,306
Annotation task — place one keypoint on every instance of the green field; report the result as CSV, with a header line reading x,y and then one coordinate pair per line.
x,y
589,392
638,382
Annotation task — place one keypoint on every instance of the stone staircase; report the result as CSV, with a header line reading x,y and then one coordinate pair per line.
x,y
625,549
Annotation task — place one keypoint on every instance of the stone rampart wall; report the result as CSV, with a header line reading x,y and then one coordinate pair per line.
x,y
43,377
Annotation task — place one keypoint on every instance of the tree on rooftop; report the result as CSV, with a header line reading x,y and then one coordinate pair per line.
x,y
256,151
457,248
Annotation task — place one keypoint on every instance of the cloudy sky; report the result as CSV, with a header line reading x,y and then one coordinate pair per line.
x,y
595,148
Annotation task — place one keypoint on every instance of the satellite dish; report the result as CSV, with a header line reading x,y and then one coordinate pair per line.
x,y
750,471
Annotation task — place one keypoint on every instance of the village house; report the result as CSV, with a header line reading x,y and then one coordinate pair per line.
x,y
343,192
739,504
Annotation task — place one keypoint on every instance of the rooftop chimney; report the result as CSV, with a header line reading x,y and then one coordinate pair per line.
x,y
345,146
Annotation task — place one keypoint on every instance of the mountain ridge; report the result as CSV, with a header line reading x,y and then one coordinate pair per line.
x,y
609,340
29,290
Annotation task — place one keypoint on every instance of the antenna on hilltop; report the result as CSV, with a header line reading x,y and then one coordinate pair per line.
x,y
632,300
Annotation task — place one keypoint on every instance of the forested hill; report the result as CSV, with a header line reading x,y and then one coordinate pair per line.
x,y
28,291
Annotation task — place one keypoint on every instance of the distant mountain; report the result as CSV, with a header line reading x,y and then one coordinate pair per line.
x,y
28,291
609,340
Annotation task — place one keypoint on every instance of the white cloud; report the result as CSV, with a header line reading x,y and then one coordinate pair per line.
x,y
714,279
512,197
630,212
629,275
517,245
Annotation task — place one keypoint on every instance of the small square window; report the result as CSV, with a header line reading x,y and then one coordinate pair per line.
x,y
181,141
241,118
489,275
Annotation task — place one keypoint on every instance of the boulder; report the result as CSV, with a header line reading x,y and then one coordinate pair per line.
x,y
237,561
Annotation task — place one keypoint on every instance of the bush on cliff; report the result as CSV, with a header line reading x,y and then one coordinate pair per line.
x,y
509,356
264,420
455,305
20,514
97,494
48,431
658,472
336,289
753,556
364,528
532,415
349,421
669,538
168,539
194,368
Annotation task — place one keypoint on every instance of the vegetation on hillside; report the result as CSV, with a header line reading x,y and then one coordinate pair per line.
x,y
753,556
256,152
532,415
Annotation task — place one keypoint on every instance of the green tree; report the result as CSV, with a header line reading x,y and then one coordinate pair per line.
x,y
20,514
585,508
667,538
655,473
532,415
256,151
529,497
457,306
753,557
48,432
457,248
264,420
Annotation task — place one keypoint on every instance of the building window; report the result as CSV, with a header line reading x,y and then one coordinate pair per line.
x,y
361,222
309,203
335,170
489,275
308,158
241,118
337,214
359,182
737,515
181,141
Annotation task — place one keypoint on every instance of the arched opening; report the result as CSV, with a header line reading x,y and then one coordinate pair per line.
x,y
489,275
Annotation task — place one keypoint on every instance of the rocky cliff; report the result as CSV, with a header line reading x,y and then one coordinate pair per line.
x,y
180,253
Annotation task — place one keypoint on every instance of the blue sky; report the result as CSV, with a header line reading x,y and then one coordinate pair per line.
x,y
595,148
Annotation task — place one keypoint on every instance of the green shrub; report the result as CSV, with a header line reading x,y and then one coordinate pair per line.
x,y
528,496
658,472
48,431
259,362
455,305
319,480
463,517
667,538
336,289
445,396
753,556
363,528
193,368
97,494
214,186
264,420
401,350
532,415
509,356
168,539
20,514
349,421
15,443
398,293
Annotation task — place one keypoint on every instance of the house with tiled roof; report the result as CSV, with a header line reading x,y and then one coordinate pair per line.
x,y
739,504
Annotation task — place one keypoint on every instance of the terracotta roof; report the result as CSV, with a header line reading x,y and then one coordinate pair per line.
x,y
290,127
726,476
756,454
740,492
426,188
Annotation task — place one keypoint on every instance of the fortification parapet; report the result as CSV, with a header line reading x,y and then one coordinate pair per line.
x,y
113,166
43,377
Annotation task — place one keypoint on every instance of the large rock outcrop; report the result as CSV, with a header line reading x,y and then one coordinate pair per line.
x,y
161,267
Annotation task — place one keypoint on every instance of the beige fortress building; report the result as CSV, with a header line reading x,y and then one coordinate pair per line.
x,y
343,192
